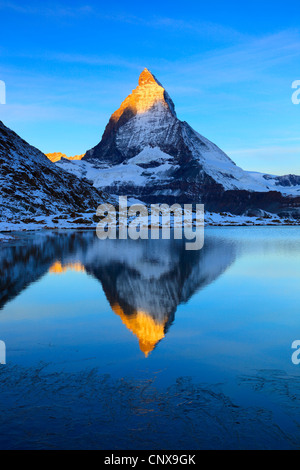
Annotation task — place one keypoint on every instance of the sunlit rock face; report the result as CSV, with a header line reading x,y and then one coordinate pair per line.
x,y
57,156
147,153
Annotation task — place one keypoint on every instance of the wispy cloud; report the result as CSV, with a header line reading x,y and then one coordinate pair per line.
x,y
47,113
271,151
205,29
276,159
250,60
199,28
225,84
93,60
44,10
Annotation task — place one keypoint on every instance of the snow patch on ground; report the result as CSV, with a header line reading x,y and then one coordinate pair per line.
x,y
128,172
90,220
228,219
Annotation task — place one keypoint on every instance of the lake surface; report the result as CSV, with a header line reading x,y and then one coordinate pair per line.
x,y
143,345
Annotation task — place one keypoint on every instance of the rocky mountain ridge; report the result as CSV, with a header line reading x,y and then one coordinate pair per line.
x,y
32,186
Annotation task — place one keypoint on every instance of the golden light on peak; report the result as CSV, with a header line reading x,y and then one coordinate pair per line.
x,y
144,327
57,156
143,98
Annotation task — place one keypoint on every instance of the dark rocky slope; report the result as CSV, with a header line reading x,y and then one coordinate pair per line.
x,y
30,185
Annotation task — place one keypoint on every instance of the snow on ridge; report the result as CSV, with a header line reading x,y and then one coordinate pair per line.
x,y
150,154
127,172
226,173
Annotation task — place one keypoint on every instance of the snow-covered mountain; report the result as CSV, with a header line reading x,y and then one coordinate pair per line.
x,y
147,153
31,186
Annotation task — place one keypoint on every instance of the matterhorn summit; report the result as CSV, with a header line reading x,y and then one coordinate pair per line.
x,y
148,154
143,119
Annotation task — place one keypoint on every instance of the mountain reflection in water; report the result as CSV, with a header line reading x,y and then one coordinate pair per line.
x,y
144,281
221,376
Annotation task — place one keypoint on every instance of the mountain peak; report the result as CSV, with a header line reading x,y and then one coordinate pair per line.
x,y
148,102
144,97
147,78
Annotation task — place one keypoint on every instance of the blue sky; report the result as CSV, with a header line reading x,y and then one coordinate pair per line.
x,y
229,69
